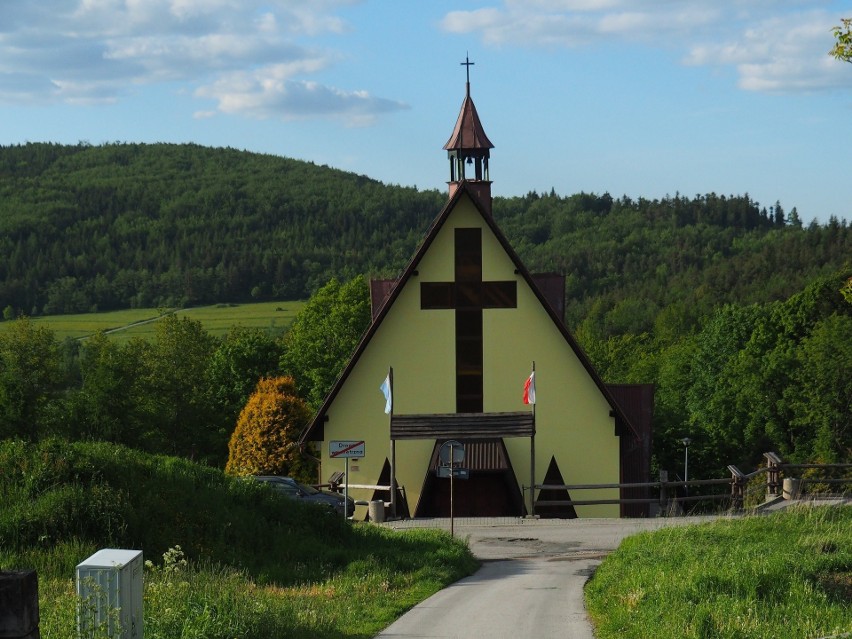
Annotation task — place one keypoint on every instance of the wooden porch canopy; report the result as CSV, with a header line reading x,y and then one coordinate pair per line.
x,y
462,426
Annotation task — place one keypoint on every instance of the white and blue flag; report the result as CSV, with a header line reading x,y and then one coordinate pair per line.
x,y
387,391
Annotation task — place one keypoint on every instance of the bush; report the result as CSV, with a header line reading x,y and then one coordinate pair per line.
x,y
265,439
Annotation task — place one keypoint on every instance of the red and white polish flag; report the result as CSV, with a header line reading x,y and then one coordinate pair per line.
x,y
529,389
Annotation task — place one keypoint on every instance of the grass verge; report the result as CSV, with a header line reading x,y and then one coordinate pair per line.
x,y
786,575
251,564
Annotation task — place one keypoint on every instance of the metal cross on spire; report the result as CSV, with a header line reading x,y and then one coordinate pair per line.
x,y
467,63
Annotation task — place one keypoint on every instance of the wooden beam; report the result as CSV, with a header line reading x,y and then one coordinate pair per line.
x,y
462,426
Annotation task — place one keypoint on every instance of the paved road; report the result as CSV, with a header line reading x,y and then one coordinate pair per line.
x,y
530,584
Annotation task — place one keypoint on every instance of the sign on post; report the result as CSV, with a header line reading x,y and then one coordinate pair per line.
x,y
346,449
451,453
457,473
450,458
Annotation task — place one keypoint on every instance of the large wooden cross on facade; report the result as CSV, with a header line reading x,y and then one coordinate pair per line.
x,y
468,296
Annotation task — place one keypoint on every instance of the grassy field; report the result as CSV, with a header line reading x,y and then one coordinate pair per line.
x,y
786,576
231,558
276,317
225,557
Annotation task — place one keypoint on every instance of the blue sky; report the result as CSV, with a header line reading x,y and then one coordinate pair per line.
x,y
642,98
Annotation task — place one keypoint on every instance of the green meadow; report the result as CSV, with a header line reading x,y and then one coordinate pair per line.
x,y
217,319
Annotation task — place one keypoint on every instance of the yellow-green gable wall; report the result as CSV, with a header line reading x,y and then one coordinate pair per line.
x,y
572,416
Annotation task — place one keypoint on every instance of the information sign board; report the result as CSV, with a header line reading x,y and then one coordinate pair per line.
x,y
345,449
458,473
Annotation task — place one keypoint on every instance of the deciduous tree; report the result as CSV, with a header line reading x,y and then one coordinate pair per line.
x,y
30,375
104,404
324,335
821,393
175,375
244,357
843,35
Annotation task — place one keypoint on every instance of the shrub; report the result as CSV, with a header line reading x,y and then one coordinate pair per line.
x,y
265,439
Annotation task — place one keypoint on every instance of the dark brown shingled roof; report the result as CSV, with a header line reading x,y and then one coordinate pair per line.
x,y
468,133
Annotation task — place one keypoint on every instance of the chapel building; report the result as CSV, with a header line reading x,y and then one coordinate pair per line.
x,y
456,337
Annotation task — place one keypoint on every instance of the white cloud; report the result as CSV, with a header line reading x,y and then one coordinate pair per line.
x,y
779,54
573,22
24,87
271,92
523,28
567,5
81,92
662,21
95,50
774,46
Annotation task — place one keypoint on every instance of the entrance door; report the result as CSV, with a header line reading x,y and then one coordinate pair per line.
x,y
490,491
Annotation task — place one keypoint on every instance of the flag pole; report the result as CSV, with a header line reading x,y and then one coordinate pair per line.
x,y
393,450
532,456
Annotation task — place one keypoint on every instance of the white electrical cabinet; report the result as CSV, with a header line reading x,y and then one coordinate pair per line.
x,y
109,595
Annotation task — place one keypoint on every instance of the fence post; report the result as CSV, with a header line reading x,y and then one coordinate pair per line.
x,y
773,475
737,487
664,478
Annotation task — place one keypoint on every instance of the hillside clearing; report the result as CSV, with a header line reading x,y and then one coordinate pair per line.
x,y
216,319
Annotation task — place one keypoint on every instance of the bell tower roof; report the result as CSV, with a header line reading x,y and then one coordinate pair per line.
x,y
468,134
469,150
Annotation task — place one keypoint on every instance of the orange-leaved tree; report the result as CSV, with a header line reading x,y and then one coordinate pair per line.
x,y
265,439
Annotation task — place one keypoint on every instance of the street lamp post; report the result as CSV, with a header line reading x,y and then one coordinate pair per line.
x,y
686,442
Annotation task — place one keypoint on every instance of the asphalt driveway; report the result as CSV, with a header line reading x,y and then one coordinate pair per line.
x,y
531,581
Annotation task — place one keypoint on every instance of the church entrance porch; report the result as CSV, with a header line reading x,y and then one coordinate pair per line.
x,y
484,494
491,489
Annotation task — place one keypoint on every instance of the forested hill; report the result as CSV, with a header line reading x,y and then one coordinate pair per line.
x,y
102,227
659,265
121,225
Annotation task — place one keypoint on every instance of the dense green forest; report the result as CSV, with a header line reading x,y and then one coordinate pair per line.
x,y
98,228
733,310
87,228
634,265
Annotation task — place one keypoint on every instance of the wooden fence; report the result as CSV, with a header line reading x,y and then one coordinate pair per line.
x,y
337,483
739,486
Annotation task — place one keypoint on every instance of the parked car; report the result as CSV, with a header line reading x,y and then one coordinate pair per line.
x,y
295,490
